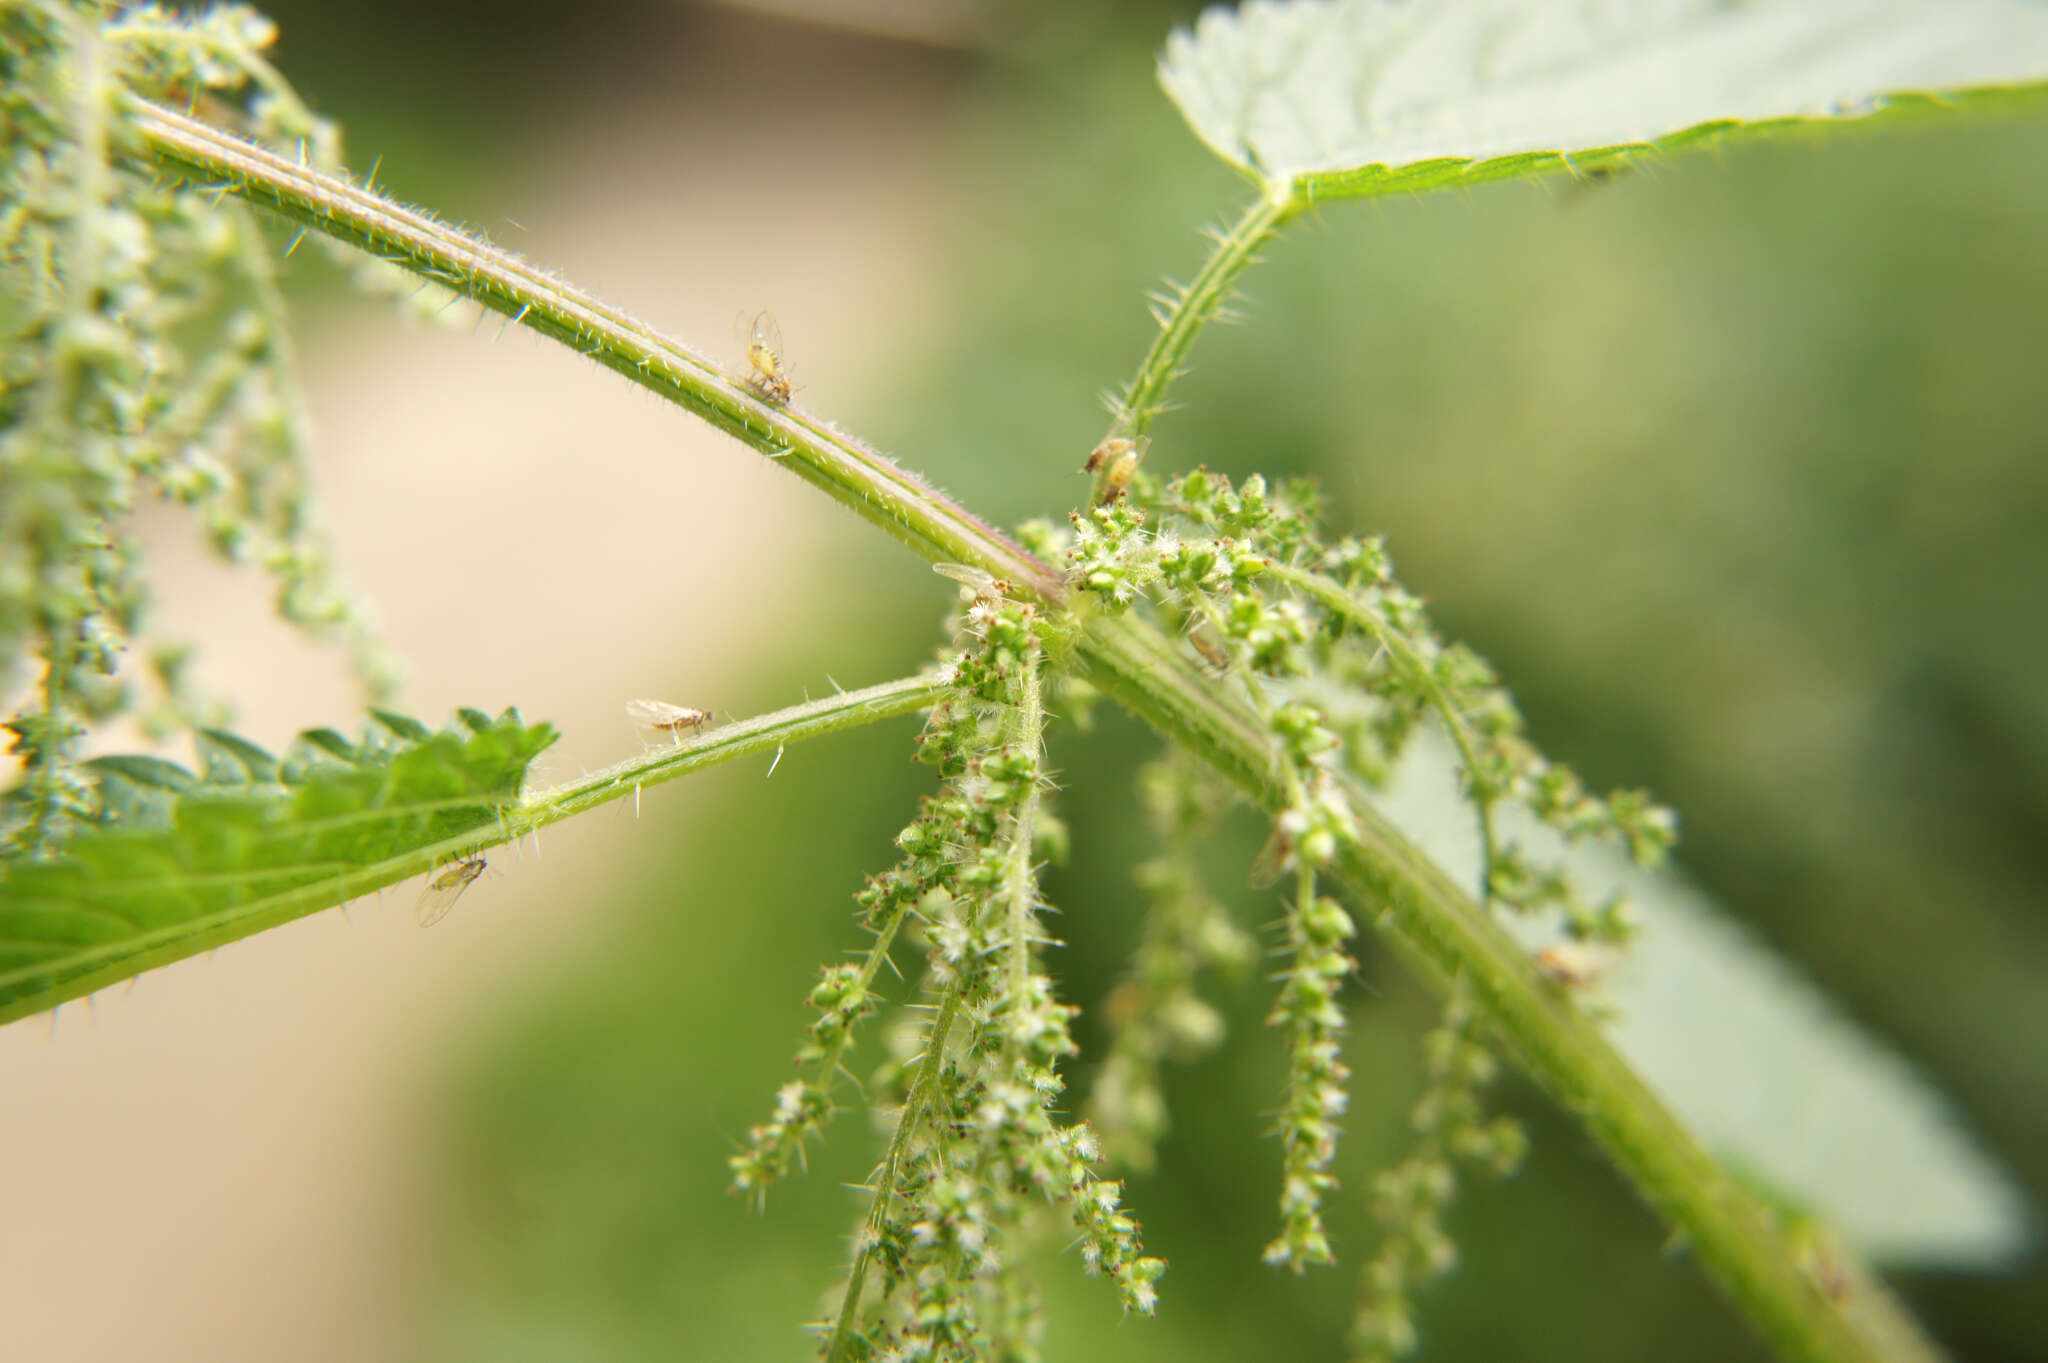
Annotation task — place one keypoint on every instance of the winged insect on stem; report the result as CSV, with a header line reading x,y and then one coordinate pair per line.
x,y
985,585
444,887
767,372
978,579
1210,647
659,714
1274,857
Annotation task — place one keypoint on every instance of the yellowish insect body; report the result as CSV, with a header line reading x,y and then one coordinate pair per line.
x,y
444,887
1114,463
767,374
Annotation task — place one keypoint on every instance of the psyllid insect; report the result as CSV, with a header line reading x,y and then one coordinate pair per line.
x,y
444,887
767,374
1114,463
1274,856
1210,647
1576,965
980,581
967,575
659,714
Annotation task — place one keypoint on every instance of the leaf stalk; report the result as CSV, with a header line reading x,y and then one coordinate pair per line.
x,y
1191,307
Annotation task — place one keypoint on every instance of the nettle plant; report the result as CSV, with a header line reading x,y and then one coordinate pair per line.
x,y
149,157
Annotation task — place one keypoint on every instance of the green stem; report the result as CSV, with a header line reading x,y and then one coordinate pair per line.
x,y
892,1167
1430,921
1020,888
1193,307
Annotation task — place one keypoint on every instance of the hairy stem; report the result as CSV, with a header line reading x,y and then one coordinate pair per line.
x,y
891,1171
1430,921
1188,308
1020,888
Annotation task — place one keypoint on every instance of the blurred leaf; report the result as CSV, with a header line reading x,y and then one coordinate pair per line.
x,y
180,864
1359,97
1752,1055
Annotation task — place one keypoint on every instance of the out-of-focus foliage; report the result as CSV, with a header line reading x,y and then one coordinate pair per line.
x,y
1759,1063
1360,97
178,863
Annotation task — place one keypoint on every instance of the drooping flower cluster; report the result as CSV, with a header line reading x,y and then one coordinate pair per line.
x,y
1309,1014
978,1144
1243,573
1408,1200
1340,665
1157,1013
1214,588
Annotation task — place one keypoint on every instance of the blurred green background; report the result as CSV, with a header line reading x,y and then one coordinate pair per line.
x,y
1734,466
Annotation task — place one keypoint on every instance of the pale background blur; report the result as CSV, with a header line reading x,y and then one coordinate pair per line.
x,y
1735,466
237,1140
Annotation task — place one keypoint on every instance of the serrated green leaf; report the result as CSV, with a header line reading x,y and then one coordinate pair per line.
x,y
404,726
181,865
1770,1073
313,751
137,790
1333,98
137,773
226,760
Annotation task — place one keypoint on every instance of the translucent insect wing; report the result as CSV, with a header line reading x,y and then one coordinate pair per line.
x,y
767,375
967,575
444,887
653,714
659,714
1271,862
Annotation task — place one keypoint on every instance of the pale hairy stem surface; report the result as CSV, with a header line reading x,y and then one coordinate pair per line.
x,y
1428,919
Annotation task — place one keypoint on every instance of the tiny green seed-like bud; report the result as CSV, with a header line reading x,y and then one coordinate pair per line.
x,y
839,984
1327,924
